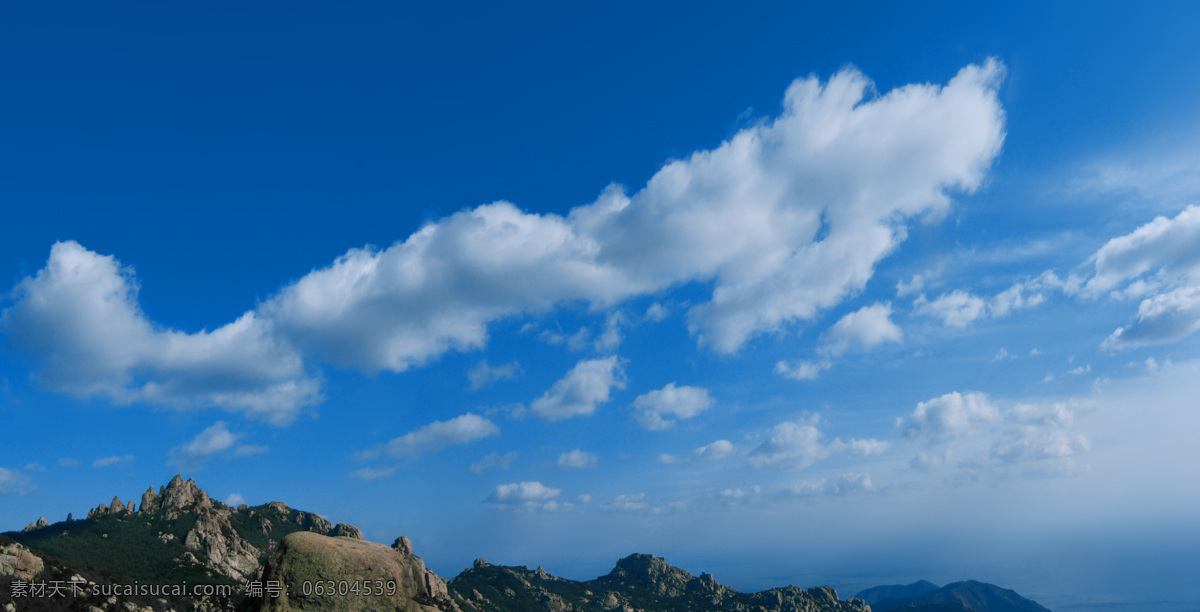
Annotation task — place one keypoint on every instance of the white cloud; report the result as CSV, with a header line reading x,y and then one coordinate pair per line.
x,y
35,467
709,452
115,460
577,459
794,445
611,337
1165,317
656,312
791,444
659,409
785,219
956,309
737,495
628,502
79,318
970,430
213,441
842,485
462,429
68,462
578,393
494,461
960,308
951,414
802,370
1159,261
14,482
234,500
483,374
526,495
866,327
861,448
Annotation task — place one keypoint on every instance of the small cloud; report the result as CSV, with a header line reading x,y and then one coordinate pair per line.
x,y
955,309
842,485
370,474
577,459
737,495
587,385
483,374
951,414
68,462
1033,352
13,482
627,503
435,436
574,342
532,495
611,337
493,461
214,441
709,452
655,313
1002,355
1083,369
659,409
1047,378
864,328
802,370
34,467
234,500
107,461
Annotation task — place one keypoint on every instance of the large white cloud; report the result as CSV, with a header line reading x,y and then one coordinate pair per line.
x,y
587,385
971,431
659,409
79,318
786,218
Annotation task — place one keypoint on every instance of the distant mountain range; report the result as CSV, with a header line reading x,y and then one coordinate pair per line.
x,y
182,550
966,596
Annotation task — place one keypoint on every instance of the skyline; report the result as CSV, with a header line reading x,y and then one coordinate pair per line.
x,y
831,298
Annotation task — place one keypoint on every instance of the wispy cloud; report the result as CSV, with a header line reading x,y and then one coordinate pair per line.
x,y
431,438
109,461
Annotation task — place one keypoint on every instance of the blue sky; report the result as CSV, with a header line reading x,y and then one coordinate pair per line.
x,y
851,295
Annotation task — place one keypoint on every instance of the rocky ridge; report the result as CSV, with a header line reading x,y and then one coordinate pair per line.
x,y
638,583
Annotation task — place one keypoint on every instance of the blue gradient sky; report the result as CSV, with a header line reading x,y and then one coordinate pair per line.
x,y
850,295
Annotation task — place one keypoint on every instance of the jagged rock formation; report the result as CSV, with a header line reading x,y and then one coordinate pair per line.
x,y
638,583
179,534
38,524
362,575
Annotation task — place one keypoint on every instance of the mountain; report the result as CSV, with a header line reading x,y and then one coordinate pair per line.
x,y
637,583
178,536
896,591
182,550
966,596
